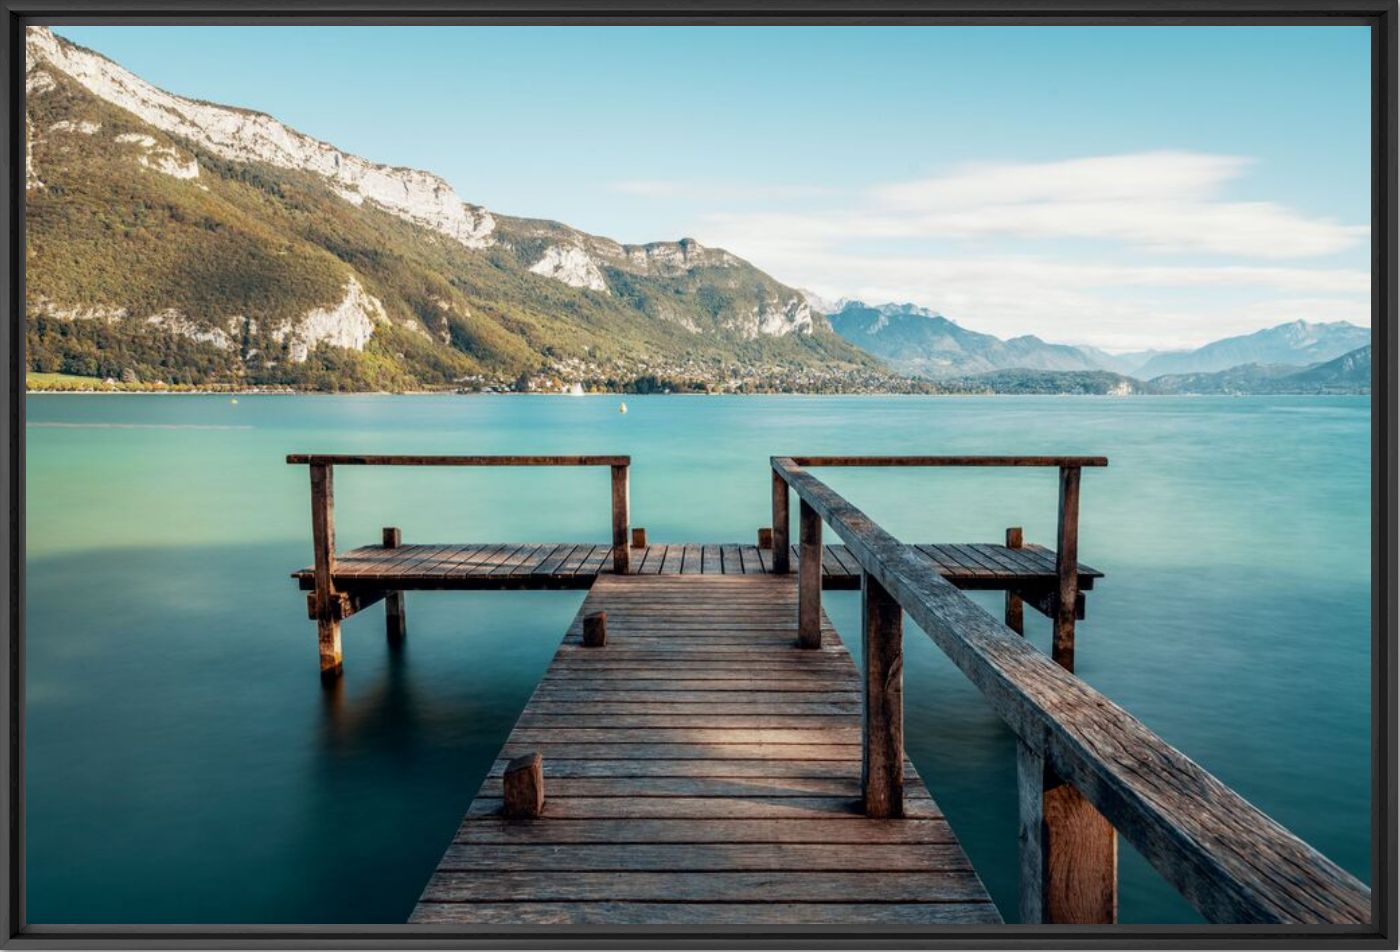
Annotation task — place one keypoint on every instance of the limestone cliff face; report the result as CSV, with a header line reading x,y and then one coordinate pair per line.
x,y
246,136
348,324
191,241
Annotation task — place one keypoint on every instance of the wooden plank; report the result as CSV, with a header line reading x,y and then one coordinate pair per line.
x,y
707,857
712,560
708,767
729,557
692,562
493,830
705,913
1228,858
504,886
675,556
556,558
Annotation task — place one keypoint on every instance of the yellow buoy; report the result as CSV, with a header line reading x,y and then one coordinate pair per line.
x,y
622,408
234,401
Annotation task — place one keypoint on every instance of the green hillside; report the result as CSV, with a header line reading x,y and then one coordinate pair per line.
x,y
135,272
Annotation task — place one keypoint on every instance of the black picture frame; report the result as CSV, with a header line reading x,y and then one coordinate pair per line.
x,y
1379,15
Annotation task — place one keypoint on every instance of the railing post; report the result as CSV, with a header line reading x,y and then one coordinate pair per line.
x,y
882,724
395,624
1015,608
782,536
323,546
621,516
809,578
1069,852
1067,568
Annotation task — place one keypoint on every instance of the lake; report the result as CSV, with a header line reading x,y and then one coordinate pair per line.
x,y
184,764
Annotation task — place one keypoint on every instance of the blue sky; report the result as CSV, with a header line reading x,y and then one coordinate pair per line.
x,y
1128,187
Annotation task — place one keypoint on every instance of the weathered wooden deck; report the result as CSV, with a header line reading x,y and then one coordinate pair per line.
x,y
717,758
700,768
570,565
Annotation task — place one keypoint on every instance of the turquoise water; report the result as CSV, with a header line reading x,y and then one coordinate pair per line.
x,y
184,764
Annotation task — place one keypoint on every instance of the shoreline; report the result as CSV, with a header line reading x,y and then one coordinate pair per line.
x,y
573,396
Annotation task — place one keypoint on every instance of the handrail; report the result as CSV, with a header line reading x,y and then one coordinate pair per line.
x,y
329,607
1228,858
1042,461
343,459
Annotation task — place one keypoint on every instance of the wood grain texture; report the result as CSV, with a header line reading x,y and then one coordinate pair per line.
x,y
809,578
395,622
323,572
1066,558
700,770
1228,858
928,461
882,723
621,515
401,459
567,565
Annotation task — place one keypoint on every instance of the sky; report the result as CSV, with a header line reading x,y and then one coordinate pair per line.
x,y
1126,187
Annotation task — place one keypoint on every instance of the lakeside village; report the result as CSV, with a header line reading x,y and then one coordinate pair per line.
x,y
567,376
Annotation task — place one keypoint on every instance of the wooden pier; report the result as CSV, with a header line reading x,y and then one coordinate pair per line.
x,y
700,768
702,750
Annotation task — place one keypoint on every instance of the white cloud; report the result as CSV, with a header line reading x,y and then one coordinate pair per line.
x,y
1154,201
1135,250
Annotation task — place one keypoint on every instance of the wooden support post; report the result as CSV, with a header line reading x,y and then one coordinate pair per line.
x,y
595,629
621,515
809,578
323,546
639,538
882,726
1067,568
1069,852
1015,609
524,787
765,537
395,625
782,537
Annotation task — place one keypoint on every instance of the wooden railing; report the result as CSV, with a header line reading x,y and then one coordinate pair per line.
x,y
331,607
1085,766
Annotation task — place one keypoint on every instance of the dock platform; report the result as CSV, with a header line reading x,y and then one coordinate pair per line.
x,y
563,565
703,751
700,768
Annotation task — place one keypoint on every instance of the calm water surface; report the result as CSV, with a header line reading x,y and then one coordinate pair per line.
x,y
185,765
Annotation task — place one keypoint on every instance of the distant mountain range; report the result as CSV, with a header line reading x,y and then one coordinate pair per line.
x,y
1349,373
924,343
921,342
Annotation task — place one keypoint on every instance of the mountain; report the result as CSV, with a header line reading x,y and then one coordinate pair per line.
x,y
1349,373
183,241
1298,344
1126,363
917,341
